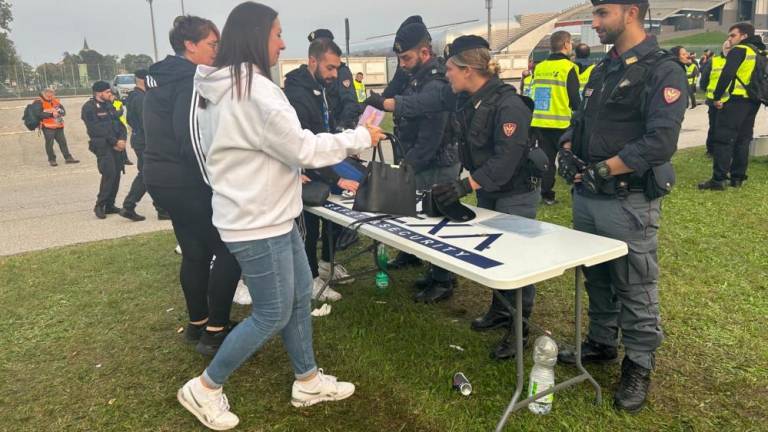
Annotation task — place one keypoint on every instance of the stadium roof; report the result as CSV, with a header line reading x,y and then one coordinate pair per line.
x,y
659,11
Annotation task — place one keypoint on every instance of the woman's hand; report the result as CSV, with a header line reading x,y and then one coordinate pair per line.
x,y
376,133
349,185
305,179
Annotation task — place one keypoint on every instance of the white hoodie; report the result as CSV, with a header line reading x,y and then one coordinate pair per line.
x,y
251,153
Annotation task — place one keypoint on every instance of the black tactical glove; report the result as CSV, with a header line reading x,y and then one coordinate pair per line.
x,y
375,100
446,194
568,165
595,176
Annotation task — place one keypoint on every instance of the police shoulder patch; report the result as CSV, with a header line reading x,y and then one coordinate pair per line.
x,y
346,83
509,129
671,95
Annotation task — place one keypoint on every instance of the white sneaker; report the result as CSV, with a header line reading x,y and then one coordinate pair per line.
x,y
339,272
210,407
178,249
242,296
329,294
320,389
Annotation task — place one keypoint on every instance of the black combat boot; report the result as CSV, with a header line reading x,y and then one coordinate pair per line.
x,y
210,341
507,346
497,316
633,387
737,182
435,292
99,212
403,260
163,215
711,184
111,209
131,214
193,332
591,352
424,281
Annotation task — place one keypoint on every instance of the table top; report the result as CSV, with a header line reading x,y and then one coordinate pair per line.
x,y
497,250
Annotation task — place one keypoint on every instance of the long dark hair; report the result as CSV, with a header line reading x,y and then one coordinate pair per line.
x,y
245,41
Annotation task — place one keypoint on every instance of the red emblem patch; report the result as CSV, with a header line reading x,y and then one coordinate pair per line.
x,y
509,129
671,95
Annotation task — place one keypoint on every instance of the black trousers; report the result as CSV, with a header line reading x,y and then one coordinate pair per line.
x,y
692,94
549,141
138,188
110,164
711,132
208,289
58,135
312,224
734,129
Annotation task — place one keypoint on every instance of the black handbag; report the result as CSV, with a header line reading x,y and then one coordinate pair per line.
x,y
315,193
387,189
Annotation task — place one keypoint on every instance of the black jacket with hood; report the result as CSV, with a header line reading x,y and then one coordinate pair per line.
x,y
169,160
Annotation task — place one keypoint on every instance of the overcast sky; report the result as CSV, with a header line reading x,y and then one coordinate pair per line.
x,y
44,29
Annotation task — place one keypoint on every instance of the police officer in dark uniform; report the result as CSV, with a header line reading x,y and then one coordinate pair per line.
x,y
491,125
617,152
107,138
342,98
424,142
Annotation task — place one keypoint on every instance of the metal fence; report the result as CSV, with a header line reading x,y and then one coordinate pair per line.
x,y
22,80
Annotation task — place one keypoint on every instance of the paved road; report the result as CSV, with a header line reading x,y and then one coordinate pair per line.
x,y
42,206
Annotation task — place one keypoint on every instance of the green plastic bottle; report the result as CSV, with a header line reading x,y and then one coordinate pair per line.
x,y
382,278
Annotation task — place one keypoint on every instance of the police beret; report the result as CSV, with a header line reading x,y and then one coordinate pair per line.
x,y
464,43
320,33
100,86
411,32
141,74
626,2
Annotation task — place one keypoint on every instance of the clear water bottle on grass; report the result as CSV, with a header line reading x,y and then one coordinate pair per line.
x,y
382,278
542,374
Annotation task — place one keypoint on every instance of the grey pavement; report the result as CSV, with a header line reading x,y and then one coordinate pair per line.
x,y
43,207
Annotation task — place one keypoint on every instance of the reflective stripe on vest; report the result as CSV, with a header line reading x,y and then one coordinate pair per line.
x,y
584,77
690,73
360,91
50,122
527,81
550,93
118,104
744,74
718,63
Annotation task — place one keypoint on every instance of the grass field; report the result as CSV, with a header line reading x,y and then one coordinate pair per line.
x,y
90,338
713,39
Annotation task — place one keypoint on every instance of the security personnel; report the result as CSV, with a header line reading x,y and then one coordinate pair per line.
x,y
360,88
49,110
617,151
710,74
491,124
735,122
555,91
586,66
107,138
341,94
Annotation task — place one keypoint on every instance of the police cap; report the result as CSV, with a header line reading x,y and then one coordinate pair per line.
x,y
464,43
320,33
625,2
411,32
100,86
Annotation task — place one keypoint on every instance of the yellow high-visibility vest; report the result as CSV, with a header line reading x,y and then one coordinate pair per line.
x,y
550,93
118,104
744,74
690,73
584,77
360,91
717,63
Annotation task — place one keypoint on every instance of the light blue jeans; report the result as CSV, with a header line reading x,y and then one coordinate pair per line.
x,y
277,274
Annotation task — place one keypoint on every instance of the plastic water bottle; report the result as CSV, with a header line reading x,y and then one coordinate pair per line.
x,y
542,374
382,278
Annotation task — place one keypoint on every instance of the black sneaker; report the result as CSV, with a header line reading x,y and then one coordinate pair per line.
x,y
633,387
111,209
591,352
436,292
211,341
193,332
737,183
163,215
53,163
99,212
549,201
71,160
131,214
506,348
403,260
713,185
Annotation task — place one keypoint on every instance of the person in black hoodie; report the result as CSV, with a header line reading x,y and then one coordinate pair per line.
x,y
175,183
735,122
306,89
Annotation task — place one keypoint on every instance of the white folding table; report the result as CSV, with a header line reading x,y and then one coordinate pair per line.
x,y
498,251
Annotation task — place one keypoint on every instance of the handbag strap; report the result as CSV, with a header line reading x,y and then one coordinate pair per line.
x,y
350,230
395,141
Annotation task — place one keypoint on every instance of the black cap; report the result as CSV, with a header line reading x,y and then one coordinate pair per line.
x,y
141,74
100,86
411,32
320,33
625,2
463,43
456,211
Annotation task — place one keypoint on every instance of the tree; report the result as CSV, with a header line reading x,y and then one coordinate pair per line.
x,y
8,56
132,62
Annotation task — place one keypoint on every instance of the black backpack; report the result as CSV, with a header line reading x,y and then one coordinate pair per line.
x,y
30,118
757,89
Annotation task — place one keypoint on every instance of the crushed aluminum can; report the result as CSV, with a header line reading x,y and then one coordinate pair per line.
x,y
462,384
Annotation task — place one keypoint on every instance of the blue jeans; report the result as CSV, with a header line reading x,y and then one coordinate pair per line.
x,y
277,274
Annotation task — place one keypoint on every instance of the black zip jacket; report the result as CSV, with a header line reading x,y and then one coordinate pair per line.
x,y
135,115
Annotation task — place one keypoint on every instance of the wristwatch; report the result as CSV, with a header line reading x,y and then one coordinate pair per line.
x,y
603,170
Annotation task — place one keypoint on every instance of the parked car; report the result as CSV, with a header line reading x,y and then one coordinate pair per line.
x,y
123,84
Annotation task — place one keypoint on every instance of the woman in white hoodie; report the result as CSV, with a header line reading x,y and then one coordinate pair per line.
x,y
251,150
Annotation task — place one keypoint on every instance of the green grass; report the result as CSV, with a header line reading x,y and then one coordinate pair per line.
x,y
90,338
713,39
